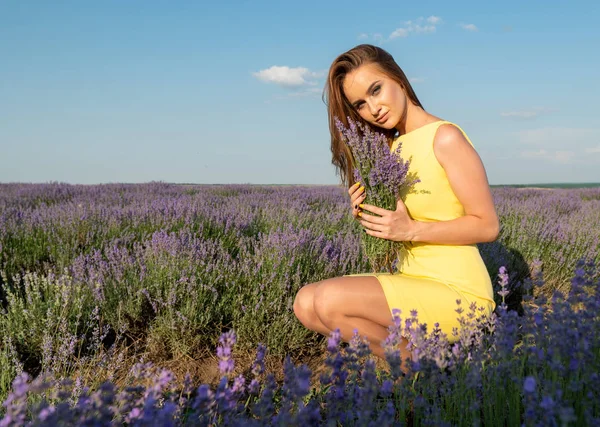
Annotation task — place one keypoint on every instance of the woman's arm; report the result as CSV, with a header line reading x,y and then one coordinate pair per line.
x,y
468,180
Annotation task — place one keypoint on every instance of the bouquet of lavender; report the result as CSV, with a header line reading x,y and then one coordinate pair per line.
x,y
384,174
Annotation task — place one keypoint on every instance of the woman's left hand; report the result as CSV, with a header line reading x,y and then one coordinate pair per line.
x,y
395,225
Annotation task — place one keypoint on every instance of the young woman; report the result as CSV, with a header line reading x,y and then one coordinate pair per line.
x,y
449,212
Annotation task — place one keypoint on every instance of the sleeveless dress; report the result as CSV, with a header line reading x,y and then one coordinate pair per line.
x,y
433,276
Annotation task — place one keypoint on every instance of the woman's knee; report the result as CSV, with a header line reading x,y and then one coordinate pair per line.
x,y
303,303
326,305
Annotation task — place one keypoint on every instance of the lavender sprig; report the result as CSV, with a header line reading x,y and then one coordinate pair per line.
x,y
385,176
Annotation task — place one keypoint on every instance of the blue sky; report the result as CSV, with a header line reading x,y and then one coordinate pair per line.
x,y
230,92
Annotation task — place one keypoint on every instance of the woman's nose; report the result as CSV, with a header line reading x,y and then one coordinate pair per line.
x,y
373,108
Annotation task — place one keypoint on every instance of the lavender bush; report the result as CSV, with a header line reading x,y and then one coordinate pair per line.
x,y
386,179
537,369
549,230
94,277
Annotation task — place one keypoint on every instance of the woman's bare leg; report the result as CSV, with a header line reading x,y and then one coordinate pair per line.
x,y
347,303
304,309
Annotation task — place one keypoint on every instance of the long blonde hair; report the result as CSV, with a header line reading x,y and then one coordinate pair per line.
x,y
339,106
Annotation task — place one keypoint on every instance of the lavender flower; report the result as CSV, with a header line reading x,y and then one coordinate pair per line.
x,y
385,176
529,384
503,282
333,341
226,363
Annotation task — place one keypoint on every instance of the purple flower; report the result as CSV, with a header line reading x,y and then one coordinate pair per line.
x,y
334,341
258,366
387,388
254,386
226,363
547,403
239,384
503,282
529,384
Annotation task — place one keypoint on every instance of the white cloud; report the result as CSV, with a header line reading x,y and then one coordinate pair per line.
x,y
399,32
557,137
535,154
424,28
558,144
469,27
419,26
286,76
563,156
559,156
528,114
595,149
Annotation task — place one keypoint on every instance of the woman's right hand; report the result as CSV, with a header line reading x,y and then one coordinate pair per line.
x,y
357,196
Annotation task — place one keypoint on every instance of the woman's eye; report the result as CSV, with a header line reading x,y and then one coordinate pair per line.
x,y
376,89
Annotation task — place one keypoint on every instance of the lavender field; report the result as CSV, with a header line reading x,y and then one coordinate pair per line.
x,y
104,287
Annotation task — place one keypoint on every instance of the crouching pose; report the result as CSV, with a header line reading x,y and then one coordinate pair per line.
x,y
449,212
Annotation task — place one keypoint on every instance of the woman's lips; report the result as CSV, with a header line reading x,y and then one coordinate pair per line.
x,y
382,118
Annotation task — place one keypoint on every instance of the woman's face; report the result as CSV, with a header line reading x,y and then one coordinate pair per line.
x,y
378,99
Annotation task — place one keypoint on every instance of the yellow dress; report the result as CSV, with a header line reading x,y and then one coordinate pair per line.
x,y
433,276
